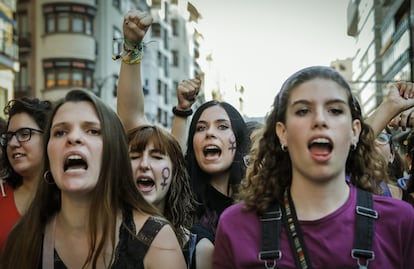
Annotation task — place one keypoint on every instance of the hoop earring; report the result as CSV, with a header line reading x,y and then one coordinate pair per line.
x,y
47,176
283,147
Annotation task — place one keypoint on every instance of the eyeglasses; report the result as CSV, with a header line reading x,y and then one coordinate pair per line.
x,y
22,135
383,138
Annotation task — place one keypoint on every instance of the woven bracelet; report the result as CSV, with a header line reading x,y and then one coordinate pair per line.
x,y
130,56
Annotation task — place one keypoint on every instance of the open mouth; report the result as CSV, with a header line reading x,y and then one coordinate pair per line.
x,y
211,151
320,146
145,184
75,162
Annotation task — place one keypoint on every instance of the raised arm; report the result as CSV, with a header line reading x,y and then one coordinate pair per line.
x,y
187,93
130,97
395,108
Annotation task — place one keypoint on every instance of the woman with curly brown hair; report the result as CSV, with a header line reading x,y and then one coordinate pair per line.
x,y
314,137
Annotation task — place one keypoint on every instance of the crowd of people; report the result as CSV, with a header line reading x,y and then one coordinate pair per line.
x,y
318,185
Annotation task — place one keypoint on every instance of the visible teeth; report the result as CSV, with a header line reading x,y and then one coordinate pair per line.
x,y
320,140
74,157
211,147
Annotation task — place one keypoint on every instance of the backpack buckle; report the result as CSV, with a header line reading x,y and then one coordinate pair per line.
x,y
367,255
270,257
367,212
271,216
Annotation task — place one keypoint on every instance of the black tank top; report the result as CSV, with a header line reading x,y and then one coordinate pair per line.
x,y
132,247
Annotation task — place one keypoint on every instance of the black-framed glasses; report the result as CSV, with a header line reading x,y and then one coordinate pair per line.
x,y
22,135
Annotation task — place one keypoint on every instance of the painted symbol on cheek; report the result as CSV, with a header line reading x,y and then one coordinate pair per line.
x,y
232,145
165,175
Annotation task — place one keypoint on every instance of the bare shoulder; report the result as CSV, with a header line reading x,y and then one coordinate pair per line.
x,y
204,254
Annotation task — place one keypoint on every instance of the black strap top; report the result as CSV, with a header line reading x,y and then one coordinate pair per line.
x,y
132,247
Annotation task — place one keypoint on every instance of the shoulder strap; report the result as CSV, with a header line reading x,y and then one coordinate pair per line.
x,y
295,234
192,242
49,244
364,229
270,252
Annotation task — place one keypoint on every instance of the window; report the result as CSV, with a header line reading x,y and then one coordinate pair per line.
x,y
66,17
77,24
159,86
22,84
165,94
174,58
156,3
174,26
165,38
63,77
159,115
50,24
165,65
63,22
77,78
117,41
159,59
68,73
156,30
117,4
50,79
175,85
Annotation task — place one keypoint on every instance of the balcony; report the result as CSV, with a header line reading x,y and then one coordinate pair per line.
x,y
8,56
24,40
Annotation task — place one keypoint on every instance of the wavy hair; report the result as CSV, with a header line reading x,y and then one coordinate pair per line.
x,y
114,193
180,204
39,111
271,171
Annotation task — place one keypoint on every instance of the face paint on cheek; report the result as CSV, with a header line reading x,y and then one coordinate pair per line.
x,y
165,176
232,142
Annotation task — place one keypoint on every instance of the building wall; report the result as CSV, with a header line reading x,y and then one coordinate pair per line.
x,y
383,31
87,55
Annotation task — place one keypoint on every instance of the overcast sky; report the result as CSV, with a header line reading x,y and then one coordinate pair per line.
x,y
258,44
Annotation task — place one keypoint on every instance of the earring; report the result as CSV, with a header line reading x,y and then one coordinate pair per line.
x,y
354,146
283,147
47,176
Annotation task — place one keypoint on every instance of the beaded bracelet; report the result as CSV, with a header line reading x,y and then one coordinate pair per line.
x,y
182,113
130,56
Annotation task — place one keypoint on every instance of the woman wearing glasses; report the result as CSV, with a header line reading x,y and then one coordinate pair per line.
x,y
386,147
22,144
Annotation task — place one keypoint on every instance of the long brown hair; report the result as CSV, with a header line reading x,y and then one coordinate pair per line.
x,y
114,193
180,204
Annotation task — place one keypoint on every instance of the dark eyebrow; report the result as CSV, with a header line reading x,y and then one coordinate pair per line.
x,y
307,102
218,120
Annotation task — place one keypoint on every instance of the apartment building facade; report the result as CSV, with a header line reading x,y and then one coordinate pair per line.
x,y
8,51
383,30
67,44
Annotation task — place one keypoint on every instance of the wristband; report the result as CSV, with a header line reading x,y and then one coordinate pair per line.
x,y
130,56
182,113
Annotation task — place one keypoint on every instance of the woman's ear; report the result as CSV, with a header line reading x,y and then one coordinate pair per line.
x,y
356,131
281,133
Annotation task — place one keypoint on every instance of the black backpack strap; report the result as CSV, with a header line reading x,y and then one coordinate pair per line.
x,y
271,230
364,229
